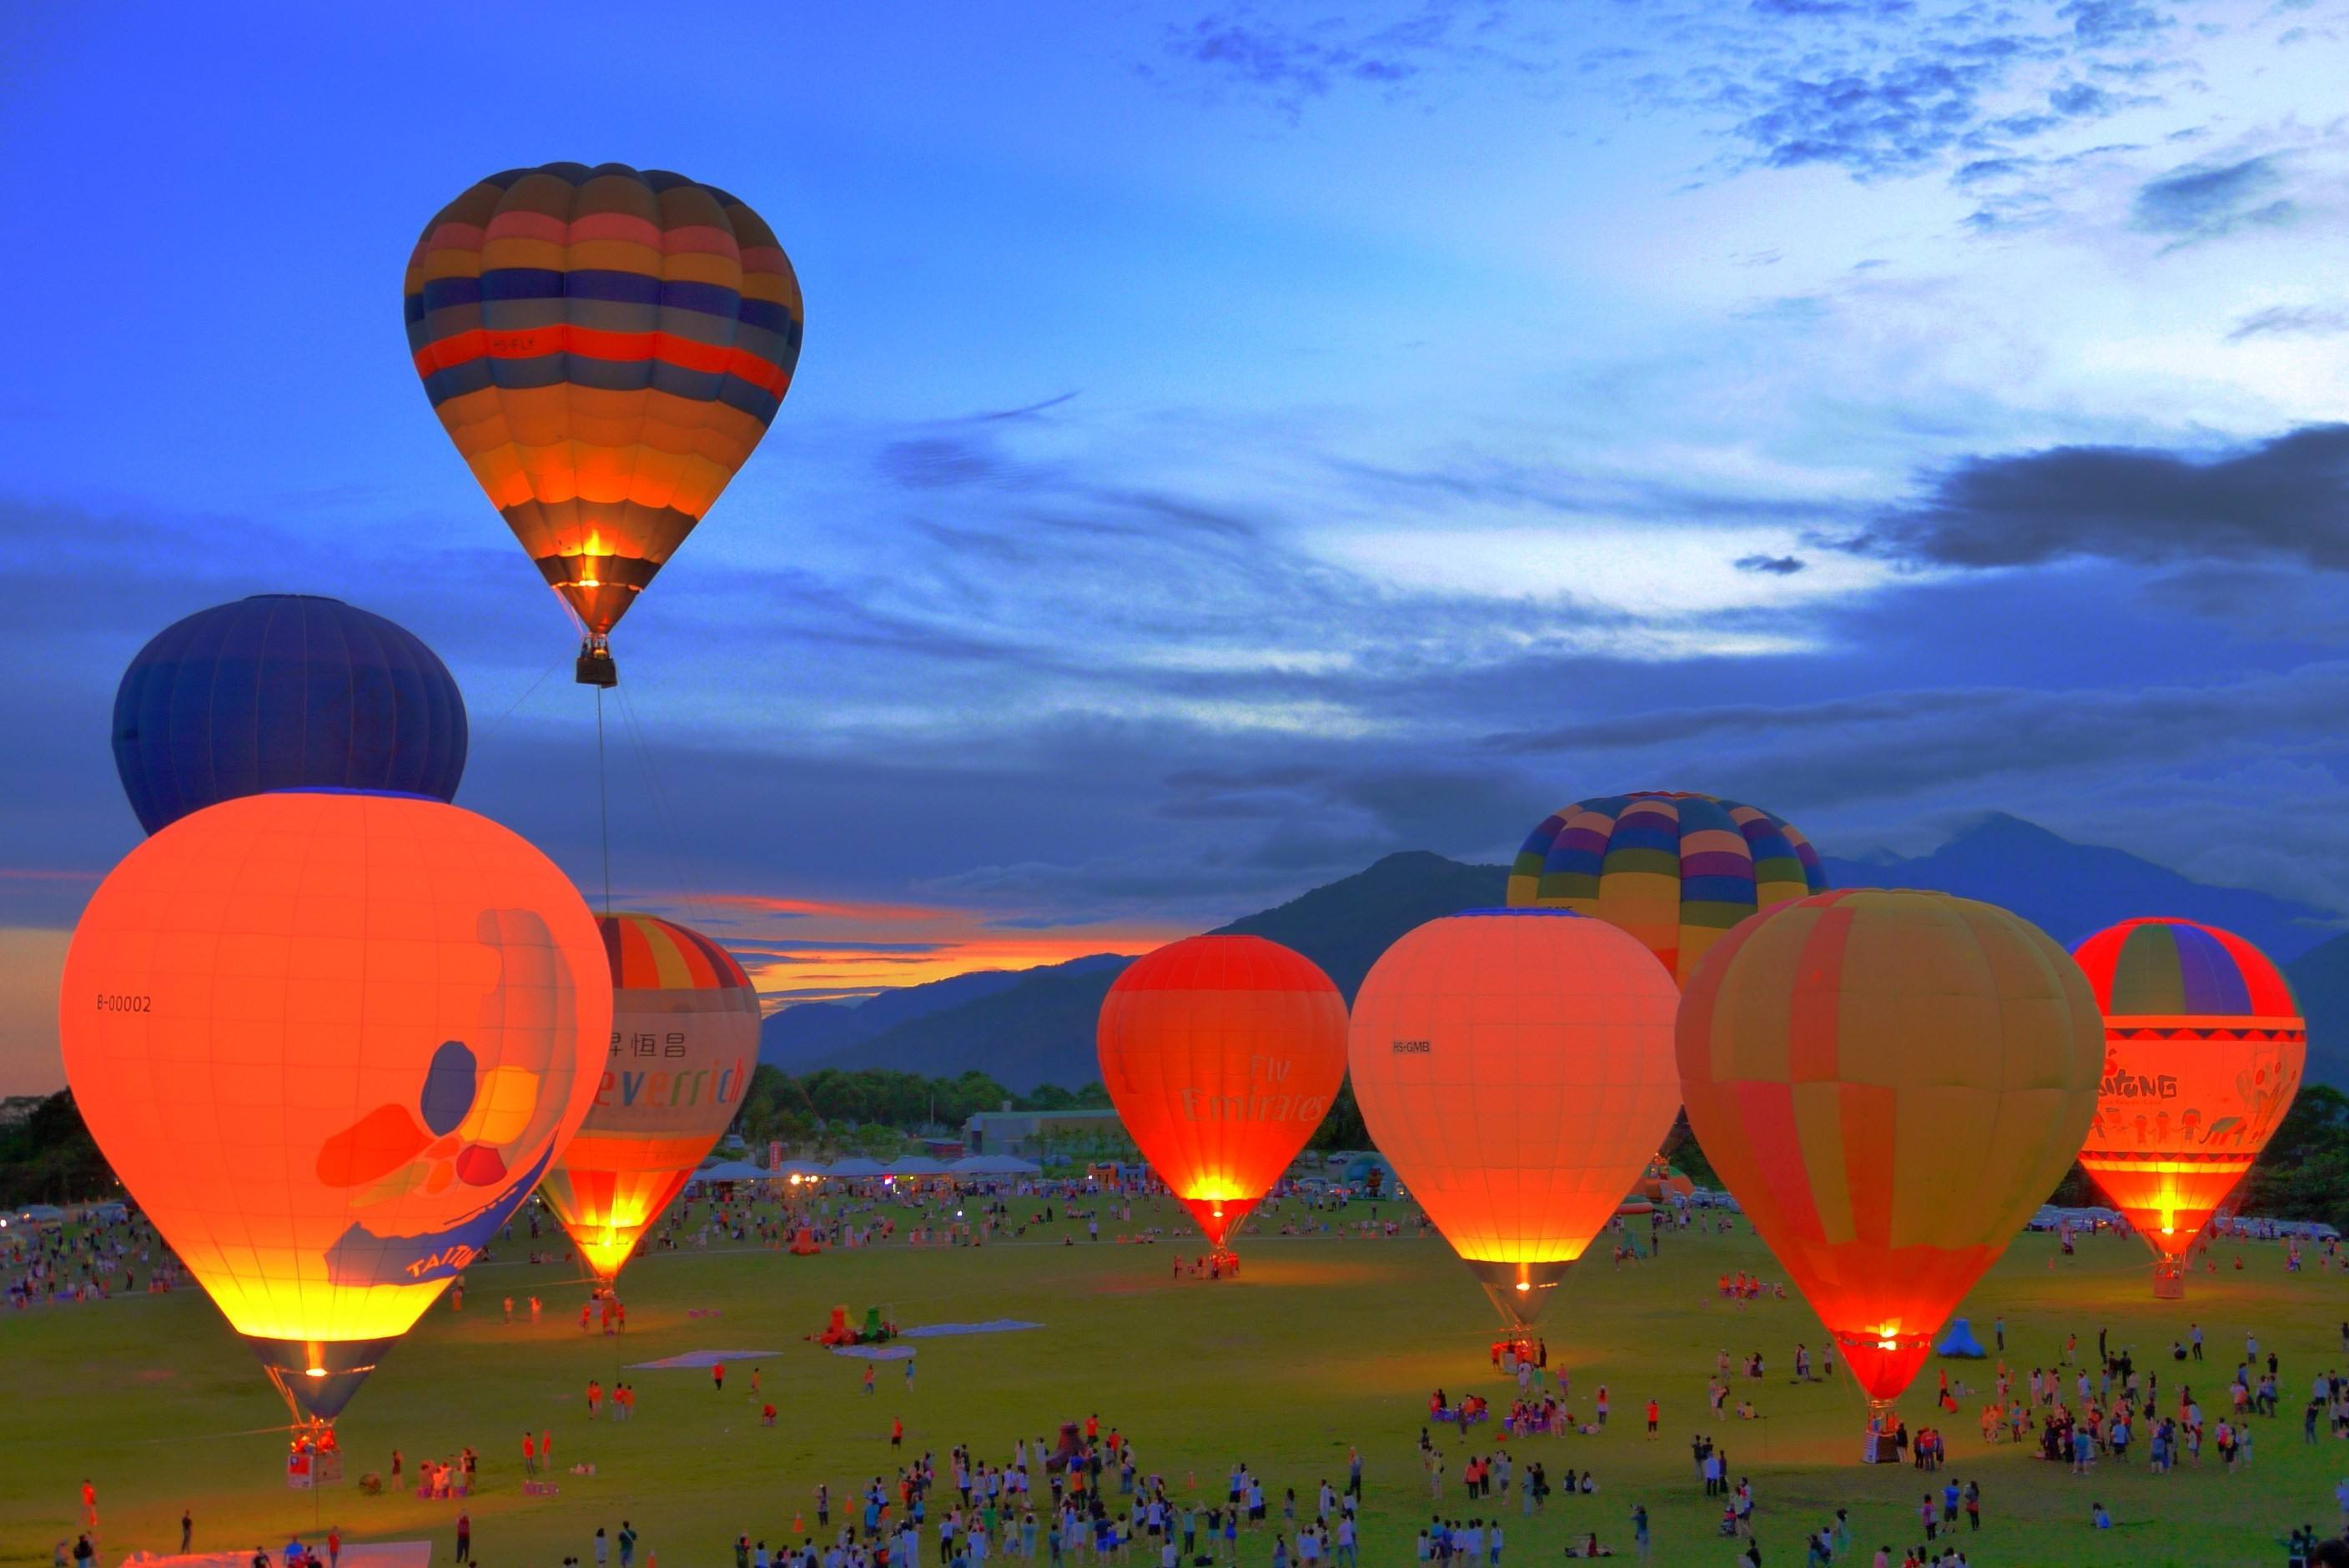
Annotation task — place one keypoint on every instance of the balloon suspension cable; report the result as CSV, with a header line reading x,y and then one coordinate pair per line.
x,y
664,818
604,801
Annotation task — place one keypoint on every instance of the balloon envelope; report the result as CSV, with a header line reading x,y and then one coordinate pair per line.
x,y
329,1041
1889,1083
684,1039
1516,1066
2204,1045
605,347
284,691
1222,1054
1674,869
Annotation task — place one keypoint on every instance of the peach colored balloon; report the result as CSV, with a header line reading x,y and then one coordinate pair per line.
x,y
1516,1066
330,1040
1222,1054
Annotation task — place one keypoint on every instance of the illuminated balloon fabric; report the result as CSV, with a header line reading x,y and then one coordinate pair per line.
x,y
2204,1045
1222,1054
329,1041
685,1038
283,691
1676,870
605,347
1889,1083
1515,1067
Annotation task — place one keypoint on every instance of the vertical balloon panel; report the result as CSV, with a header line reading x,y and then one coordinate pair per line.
x,y
329,1040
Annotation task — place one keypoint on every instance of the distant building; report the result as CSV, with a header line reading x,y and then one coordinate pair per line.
x,y
1032,1133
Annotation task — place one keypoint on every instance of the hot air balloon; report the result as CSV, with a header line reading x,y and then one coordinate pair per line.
x,y
329,1040
1516,1066
1676,870
605,347
2203,1049
1889,1083
685,1038
1222,1054
283,691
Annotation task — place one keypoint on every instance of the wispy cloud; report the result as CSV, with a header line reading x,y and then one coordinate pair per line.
x,y
2205,201
2291,321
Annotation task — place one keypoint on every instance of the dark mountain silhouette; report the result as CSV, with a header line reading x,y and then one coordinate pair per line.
x,y
1037,1026
2320,978
797,1038
1040,1029
2074,891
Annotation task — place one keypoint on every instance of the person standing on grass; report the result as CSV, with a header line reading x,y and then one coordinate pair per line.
x,y
627,1544
464,1537
187,1529
1651,1418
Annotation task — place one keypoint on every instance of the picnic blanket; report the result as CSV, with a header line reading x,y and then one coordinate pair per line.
x,y
694,1358
993,1325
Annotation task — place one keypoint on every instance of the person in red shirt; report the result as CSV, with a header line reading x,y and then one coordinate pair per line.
x,y
89,1503
529,1455
334,1546
717,1376
1653,1413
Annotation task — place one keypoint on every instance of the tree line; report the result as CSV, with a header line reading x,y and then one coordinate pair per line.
x,y
48,1156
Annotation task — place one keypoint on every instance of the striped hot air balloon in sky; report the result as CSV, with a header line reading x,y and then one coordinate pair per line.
x,y
605,347
2204,1045
685,1040
1676,870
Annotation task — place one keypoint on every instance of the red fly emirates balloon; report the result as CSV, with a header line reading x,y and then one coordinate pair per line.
x,y
1222,1054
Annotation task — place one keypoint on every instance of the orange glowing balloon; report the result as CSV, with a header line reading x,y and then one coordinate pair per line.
x,y
329,1040
1515,1067
2204,1045
685,1037
1889,1082
1222,1054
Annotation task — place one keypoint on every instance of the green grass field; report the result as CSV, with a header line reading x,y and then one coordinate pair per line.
x,y
1321,1343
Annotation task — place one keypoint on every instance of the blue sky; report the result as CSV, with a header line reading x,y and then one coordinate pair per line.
x,y
1234,442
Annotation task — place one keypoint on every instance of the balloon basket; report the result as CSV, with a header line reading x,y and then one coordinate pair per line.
x,y
595,667
2169,1284
312,1458
1879,1446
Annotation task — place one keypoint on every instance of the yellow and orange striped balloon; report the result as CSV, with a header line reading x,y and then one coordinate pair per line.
x,y
685,1040
1889,1082
605,347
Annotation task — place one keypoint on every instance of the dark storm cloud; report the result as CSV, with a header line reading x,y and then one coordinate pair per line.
x,y
2285,498
1775,565
2203,201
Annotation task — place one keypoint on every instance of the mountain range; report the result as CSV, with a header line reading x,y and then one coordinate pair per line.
x,y
1033,1027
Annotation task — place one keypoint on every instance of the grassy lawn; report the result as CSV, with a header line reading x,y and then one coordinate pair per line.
x,y
1321,1343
